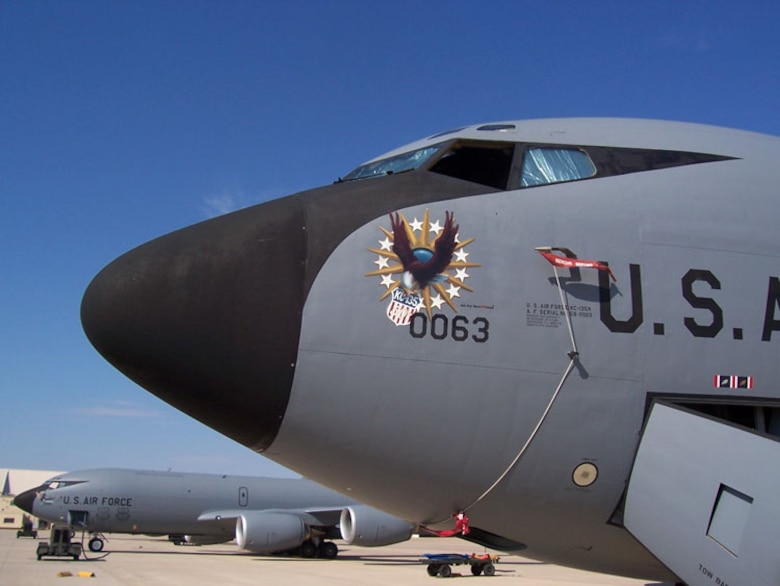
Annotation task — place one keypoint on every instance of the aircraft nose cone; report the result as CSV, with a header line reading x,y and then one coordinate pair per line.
x,y
207,318
25,500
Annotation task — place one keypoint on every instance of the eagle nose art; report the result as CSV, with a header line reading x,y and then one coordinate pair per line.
x,y
208,318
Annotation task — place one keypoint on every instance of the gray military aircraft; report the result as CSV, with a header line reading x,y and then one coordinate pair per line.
x,y
566,330
264,515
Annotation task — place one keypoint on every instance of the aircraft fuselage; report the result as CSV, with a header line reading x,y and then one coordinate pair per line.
x,y
310,329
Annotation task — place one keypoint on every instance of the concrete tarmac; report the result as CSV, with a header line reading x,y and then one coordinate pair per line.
x,y
147,561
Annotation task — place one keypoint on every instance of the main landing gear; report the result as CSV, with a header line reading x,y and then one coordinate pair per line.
x,y
322,549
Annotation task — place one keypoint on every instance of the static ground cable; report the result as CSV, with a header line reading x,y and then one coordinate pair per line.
x,y
571,262
573,354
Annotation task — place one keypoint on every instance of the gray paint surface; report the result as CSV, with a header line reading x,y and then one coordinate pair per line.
x,y
489,412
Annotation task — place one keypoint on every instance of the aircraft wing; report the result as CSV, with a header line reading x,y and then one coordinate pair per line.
x,y
313,517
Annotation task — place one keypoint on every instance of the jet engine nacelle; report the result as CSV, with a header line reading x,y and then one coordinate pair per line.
x,y
270,532
363,525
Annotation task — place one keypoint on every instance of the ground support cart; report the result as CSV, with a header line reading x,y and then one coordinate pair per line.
x,y
440,564
27,529
59,544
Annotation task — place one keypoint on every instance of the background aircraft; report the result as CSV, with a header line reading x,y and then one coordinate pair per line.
x,y
566,329
264,515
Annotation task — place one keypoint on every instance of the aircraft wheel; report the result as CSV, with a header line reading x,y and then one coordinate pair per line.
x,y
96,544
445,571
328,550
433,569
490,570
308,549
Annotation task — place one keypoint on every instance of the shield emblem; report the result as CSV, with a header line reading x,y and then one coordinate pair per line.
x,y
402,307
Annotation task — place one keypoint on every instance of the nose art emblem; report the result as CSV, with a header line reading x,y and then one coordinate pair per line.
x,y
421,265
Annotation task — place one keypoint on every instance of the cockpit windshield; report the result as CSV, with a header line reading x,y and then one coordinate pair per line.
x,y
484,162
397,164
55,484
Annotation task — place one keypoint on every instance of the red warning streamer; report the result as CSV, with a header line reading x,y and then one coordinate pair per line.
x,y
575,263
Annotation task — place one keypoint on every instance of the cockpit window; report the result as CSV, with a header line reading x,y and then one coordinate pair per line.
x,y
397,164
486,163
497,163
544,165
55,484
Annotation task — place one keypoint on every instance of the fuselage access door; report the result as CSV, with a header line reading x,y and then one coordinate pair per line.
x,y
704,498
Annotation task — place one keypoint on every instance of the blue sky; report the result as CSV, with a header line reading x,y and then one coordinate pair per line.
x,y
122,121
